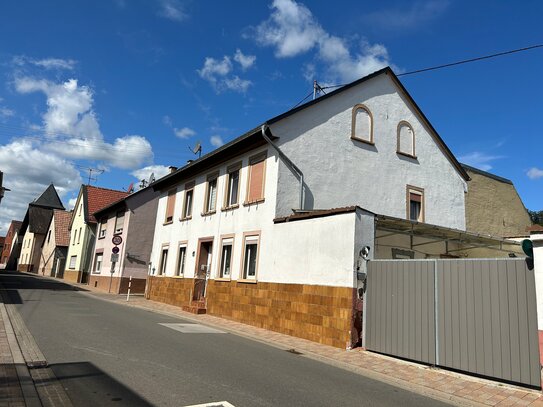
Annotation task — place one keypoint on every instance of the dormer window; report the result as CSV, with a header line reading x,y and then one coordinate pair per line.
x,y
362,124
406,139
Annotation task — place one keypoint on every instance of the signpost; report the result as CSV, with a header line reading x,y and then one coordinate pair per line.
x,y
116,240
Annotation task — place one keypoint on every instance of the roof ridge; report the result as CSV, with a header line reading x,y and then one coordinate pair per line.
x,y
106,189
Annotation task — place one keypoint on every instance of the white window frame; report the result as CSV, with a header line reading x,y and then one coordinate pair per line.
x,y
250,239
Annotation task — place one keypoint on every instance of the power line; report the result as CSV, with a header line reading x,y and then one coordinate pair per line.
x,y
465,61
301,101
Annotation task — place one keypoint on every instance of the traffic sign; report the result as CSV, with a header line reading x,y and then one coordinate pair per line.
x,y
114,257
115,249
117,240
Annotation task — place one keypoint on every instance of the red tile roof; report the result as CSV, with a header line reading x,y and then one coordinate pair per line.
x,y
62,223
98,198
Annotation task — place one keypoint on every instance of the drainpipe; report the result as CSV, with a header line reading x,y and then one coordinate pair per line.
x,y
287,160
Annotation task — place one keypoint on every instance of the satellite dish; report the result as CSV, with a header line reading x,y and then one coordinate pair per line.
x,y
197,149
152,178
130,188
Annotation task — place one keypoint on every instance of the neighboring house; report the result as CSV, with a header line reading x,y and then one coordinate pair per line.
x,y
269,229
55,246
34,228
133,220
12,247
494,207
83,229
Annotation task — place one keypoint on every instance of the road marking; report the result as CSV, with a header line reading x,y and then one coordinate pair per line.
x,y
193,329
214,404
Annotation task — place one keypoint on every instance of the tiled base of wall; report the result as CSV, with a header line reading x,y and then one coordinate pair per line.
x,y
318,313
71,275
118,285
174,291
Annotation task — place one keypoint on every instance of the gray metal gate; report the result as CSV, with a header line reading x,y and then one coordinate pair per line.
x,y
473,315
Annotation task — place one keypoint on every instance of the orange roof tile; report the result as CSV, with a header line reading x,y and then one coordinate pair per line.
x,y
98,198
62,223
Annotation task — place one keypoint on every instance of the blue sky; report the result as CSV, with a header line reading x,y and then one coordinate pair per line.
x,y
127,86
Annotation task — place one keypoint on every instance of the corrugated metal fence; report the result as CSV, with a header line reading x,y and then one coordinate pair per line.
x,y
474,315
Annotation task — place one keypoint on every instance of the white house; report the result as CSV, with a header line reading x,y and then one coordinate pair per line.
x,y
268,229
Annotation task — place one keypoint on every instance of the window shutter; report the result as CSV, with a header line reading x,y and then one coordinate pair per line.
x,y
415,197
170,206
256,182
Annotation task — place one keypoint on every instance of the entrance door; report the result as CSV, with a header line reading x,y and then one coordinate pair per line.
x,y
203,268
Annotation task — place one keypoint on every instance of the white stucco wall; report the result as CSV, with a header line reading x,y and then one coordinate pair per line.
x,y
256,217
341,172
317,251
537,241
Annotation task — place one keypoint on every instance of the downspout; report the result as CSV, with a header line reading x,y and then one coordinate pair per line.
x,y
288,161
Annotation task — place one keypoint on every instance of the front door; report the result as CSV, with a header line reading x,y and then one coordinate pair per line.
x,y
203,268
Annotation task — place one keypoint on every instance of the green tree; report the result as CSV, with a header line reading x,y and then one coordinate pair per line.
x,y
537,217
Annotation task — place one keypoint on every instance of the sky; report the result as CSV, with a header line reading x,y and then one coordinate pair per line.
x,y
127,87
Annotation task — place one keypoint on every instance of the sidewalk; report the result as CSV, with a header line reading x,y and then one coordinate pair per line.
x,y
439,384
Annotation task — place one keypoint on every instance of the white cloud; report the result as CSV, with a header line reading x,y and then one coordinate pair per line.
x,y
28,170
214,68
144,173
216,141
72,128
5,112
216,72
237,84
172,10
410,15
246,61
47,63
71,203
293,30
479,160
184,133
534,173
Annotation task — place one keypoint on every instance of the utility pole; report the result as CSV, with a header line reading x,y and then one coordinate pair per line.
x,y
2,189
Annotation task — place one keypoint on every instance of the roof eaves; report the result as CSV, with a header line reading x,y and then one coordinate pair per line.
x,y
486,174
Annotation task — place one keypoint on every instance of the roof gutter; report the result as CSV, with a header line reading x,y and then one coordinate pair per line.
x,y
287,161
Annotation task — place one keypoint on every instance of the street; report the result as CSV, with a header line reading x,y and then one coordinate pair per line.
x,y
109,354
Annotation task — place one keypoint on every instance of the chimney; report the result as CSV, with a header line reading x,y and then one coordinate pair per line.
x,y
172,168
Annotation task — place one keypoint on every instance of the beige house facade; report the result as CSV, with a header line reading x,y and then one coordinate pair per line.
x,y
494,207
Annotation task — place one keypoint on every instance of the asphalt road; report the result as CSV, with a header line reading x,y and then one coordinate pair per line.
x,y
110,354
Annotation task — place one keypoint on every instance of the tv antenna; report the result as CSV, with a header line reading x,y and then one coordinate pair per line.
x,y
130,188
144,183
90,171
317,89
197,149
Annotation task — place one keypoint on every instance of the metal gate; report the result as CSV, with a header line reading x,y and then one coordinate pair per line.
x,y
473,315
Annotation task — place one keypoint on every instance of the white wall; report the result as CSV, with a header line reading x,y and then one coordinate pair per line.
x,y
341,172
318,251
256,217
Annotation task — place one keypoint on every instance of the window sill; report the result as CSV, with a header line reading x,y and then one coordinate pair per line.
x,y
184,219
180,276
101,237
223,279
213,212
167,223
370,142
414,157
256,202
246,281
229,208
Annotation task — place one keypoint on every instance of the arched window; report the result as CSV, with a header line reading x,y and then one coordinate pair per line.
x,y
406,139
362,126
